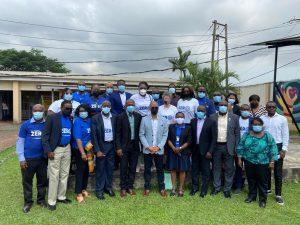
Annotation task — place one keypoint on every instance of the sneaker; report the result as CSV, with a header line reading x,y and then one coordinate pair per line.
x,y
269,192
279,200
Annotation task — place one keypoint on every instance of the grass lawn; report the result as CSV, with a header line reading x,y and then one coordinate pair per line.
x,y
141,210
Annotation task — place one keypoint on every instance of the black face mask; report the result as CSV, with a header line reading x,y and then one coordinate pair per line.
x,y
165,102
186,95
96,93
253,105
66,112
154,110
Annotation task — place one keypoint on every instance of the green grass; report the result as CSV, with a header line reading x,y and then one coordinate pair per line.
x,y
141,210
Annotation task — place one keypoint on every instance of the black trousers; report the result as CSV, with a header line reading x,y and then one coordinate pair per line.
x,y
277,174
159,161
257,176
221,156
128,163
200,165
81,174
36,167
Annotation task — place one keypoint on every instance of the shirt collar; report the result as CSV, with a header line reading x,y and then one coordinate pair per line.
x,y
32,120
104,117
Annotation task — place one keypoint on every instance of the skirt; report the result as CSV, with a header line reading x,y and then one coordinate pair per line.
x,y
179,162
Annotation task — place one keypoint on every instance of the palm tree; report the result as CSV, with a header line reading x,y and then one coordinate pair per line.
x,y
180,63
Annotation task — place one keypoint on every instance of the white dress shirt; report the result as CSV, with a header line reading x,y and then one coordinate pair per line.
x,y
199,129
154,123
277,126
123,98
108,133
222,128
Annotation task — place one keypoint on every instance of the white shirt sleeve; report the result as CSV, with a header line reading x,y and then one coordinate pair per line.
x,y
285,134
55,106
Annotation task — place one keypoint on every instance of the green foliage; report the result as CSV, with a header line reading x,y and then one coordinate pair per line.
x,y
180,63
33,60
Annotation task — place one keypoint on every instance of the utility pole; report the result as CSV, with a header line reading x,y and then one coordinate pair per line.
x,y
213,45
226,54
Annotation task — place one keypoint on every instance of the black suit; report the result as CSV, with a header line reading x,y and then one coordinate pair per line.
x,y
199,161
130,148
104,165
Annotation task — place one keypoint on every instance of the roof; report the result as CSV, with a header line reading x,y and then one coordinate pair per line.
x,y
281,42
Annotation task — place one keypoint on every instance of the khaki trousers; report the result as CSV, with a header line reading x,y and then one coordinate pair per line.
x,y
58,172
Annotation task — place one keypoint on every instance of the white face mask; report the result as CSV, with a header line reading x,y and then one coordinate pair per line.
x,y
143,92
179,120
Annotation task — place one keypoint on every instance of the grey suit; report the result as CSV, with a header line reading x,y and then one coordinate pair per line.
x,y
224,152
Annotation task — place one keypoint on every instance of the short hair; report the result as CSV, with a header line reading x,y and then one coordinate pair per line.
x,y
244,106
118,81
190,89
254,97
172,84
67,89
86,108
130,100
180,113
235,95
258,119
64,102
166,94
143,82
271,102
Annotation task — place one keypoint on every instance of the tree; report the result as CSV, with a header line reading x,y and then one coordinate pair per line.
x,y
180,63
212,80
34,60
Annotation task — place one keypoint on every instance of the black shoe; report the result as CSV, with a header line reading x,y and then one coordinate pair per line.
x,y
100,196
65,201
227,194
202,195
43,204
193,192
279,200
110,192
214,192
237,191
262,204
249,200
27,208
51,207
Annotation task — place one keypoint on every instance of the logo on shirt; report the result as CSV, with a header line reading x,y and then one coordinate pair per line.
x,y
143,107
36,133
184,108
88,130
107,130
66,131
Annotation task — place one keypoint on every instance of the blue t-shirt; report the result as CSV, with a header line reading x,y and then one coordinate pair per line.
x,y
95,104
209,105
66,126
31,131
81,98
82,130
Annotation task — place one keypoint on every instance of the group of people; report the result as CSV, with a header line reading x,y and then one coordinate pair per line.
x,y
216,138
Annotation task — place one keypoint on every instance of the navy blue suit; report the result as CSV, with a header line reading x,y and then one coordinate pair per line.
x,y
116,102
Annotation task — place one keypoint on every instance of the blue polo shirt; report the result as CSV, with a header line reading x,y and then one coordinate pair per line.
x,y
31,135
82,130
95,104
209,105
81,98
66,126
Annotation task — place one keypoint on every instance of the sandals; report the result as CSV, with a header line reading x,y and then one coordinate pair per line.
x,y
85,194
173,193
80,199
180,193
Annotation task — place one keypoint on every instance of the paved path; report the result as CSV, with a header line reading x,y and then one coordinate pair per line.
x,y
8,134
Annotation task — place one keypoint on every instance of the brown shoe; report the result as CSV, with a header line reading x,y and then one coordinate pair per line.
x,y
146,192
131,192
123,193
163,193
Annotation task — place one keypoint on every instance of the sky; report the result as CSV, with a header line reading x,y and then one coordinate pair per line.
x,y
155,28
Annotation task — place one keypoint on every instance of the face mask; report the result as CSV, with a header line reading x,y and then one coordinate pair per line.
x,y
81,88
200,114
186,95
231,101
201,94
217,98
121,88
96,94
109,90
253,105
179,120
83,115
172,90
155,96
245,114
257,128
66,112
130,108
143,92
38,115
154,110
105,110
68,97
223,109
166,102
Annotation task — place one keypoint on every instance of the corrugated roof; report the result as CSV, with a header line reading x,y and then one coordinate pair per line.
x,y
280,42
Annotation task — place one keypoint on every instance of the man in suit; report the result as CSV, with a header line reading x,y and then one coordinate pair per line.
x,y
201,150
153,135
119,98
56,138
225,141
103,139
127,145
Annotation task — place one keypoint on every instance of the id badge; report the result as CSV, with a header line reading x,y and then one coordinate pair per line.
x,y
177,138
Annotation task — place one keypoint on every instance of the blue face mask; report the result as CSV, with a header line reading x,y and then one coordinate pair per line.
x,y
105,110
223,109
109,90
38,115
172,90
155,96
121,88
130,108
217,98
200,115
81,88
257,128
83,115
245,114
231,101
201,94
68,97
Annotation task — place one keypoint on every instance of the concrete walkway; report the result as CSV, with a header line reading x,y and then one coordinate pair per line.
x,y
8,134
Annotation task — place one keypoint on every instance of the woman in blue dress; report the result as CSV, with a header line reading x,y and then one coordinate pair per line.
x,y
178,160
259,151
82,137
